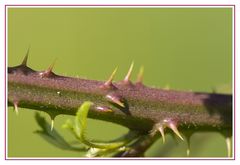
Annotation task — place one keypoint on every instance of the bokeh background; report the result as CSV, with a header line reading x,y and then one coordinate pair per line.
x,y
181,48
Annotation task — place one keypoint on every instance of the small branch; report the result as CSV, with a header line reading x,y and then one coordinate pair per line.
x,y
132,105
138,148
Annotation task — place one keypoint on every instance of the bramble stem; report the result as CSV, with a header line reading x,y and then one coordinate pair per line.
x,y
132,105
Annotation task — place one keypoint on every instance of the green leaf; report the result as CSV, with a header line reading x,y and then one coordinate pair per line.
x,y
53,137
79,129
81,118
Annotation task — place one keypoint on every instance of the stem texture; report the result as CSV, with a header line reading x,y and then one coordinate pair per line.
x,y
132,105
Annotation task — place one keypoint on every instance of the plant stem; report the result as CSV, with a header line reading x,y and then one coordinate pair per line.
x,y
132,105
138,148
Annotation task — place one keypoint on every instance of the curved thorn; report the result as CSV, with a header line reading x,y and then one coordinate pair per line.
x,y
140,75
127,77
229,146
109,81
161,130
24,62
175,130
15,104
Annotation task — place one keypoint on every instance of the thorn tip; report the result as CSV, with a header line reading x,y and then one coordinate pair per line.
x,y
15,104
175,130
108,84
116,100
109,81
51,66
52,124
161,130
127,77
24,62
140,75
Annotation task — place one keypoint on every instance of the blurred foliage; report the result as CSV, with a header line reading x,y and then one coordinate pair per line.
x,y
182,48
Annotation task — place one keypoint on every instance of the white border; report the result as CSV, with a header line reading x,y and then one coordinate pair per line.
x,y
129,7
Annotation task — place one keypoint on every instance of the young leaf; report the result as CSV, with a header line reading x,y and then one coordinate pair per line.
x,y
53,137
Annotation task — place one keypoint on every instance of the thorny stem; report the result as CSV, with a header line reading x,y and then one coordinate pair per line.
x,y
132,105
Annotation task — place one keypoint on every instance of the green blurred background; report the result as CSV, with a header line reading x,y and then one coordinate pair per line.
x,y
184,48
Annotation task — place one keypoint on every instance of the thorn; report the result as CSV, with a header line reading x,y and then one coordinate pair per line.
x,y
127,77
161,130
229,146
109,81
52,124
188,135
228,139
173,127
52,117
188,145
140,75
104,109
48,72
15,104
108,84
116,100
50,68
24,62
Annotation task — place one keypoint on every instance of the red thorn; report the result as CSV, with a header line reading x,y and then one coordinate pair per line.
x,y
48,72
50,68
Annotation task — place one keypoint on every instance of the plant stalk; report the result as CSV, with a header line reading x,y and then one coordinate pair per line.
x,y
135,106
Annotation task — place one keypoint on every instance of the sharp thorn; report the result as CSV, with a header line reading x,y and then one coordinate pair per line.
x,y
50,68
24,62
140,75
52,124
161,130
116,100
188,135
48,72
16,107
228,139
104,109
52,117
109,81
119,103
127,77
175,130
229,146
